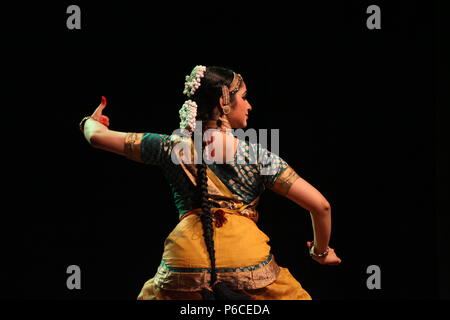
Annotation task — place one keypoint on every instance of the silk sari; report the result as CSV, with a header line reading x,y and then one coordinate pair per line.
x,y
243,256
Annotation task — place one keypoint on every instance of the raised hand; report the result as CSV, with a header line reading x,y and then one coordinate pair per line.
x,y
98,113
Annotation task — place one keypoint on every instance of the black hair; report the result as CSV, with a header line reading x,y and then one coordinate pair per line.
x,y
207,97
208,94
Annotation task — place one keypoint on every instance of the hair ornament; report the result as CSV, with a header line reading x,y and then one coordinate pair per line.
x,y
193,81
188,113
234,87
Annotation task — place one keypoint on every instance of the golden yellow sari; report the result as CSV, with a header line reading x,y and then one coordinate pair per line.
x,y
243,257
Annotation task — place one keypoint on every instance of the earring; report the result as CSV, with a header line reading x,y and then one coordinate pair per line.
x,y
226,109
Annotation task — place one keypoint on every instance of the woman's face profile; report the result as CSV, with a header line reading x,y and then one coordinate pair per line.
x,y
239,112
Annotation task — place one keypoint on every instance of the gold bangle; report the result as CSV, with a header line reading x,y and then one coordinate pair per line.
x,y
83,121
318,255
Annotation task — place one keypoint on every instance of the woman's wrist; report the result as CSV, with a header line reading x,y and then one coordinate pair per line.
x,y
83,123
91,124
317,251
90,127
320,252
321,249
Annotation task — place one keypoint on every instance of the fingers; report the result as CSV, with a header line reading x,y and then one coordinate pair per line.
x,y
104,120
102,103
330,262
334,261
98,112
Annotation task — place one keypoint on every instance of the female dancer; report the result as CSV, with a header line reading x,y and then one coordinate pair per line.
x,y
217,251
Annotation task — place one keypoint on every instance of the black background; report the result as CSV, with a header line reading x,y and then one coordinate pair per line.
x,y
361,116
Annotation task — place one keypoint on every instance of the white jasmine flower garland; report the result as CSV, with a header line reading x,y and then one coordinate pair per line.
x,y
188,111
192,82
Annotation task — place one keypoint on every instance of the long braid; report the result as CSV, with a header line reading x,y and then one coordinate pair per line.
x,y
206,217
221,291
207,221
207,97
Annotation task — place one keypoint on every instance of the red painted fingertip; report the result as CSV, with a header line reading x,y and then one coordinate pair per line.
x,y
103,100
308,243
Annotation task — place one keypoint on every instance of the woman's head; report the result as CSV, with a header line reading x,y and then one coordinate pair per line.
x,y
212,103
216,90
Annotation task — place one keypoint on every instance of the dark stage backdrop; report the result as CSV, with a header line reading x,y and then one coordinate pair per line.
x,y
356,110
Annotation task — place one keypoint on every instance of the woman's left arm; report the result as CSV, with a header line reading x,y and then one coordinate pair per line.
x,y
98,135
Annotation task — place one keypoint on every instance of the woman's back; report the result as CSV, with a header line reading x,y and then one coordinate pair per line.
x,y
241,172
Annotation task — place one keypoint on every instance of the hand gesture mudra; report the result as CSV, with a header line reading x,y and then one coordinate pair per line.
x,y
98,113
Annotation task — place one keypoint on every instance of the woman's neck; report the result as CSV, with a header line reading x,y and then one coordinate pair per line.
x,y
229,142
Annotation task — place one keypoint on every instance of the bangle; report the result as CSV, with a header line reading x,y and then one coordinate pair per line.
x,y
318,255
82,122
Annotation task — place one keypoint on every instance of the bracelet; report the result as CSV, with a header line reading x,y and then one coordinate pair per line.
x,y
83,121
318,255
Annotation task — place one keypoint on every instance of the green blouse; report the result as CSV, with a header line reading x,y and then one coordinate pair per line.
x,y
253,170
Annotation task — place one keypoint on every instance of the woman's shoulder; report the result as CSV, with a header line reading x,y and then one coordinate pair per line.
x,y
252,150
